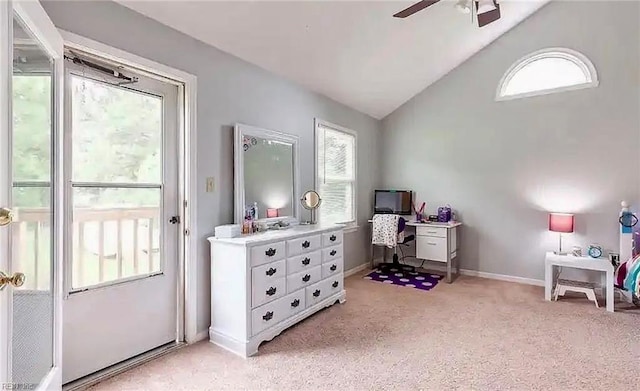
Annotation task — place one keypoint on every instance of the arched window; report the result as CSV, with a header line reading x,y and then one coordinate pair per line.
x,y
547,71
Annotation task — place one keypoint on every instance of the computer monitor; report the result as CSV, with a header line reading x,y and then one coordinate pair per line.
x,y
392,201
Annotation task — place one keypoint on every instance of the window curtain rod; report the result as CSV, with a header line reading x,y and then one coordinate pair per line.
x,y
102,69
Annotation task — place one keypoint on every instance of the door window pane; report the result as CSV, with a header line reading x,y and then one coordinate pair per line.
x,y
31,245
118,127
31,236
116,228
31,122
116,234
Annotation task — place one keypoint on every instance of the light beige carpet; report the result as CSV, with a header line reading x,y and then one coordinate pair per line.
x,y
474,334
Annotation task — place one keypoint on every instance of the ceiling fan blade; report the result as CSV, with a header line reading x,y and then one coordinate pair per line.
x,y
488,17
419,6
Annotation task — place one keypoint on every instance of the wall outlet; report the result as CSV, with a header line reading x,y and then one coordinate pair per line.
x,y
209,185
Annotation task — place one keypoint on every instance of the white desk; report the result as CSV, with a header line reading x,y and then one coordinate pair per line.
x,y
585,263
437,242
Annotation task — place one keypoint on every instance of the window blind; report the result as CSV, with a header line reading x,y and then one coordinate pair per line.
x,y
336,174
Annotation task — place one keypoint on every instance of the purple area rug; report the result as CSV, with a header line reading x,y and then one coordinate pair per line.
x,y
418,280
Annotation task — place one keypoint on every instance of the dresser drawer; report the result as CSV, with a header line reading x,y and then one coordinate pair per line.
x,y
439,232
266,316
332,267
294,303
316,293
264,275
302,262
303,245
271,290
267,253
304,278
272,313
331,238
323,289
431,248
335,284
331,253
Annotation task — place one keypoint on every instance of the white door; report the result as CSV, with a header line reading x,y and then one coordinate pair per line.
x,y
30,197
122,262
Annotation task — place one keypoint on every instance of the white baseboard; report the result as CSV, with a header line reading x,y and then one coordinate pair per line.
x,y
201,336
356,269
502,277
475,273
491,276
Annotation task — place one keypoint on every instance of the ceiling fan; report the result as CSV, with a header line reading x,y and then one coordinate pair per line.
x,y
487,11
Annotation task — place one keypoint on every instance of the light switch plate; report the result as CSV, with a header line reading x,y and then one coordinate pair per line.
x,y
209,184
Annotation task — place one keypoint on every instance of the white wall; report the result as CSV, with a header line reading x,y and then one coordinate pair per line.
x,y
504,165
229,91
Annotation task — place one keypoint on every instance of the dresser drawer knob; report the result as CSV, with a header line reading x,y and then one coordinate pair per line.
x,y
306,261
271,291
335,284
271,271
316,293
333,252
333,268
306,278
333,238
270,252
295,303
268,316
306,244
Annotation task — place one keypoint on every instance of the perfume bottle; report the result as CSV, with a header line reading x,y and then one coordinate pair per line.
x,y
247,223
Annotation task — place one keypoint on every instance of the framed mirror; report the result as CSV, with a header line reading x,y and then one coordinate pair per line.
x,y
266,173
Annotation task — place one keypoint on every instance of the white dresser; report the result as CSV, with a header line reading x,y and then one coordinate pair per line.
x,y
264,283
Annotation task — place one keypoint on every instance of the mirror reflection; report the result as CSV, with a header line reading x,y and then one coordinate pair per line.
x,y
310,200
268,177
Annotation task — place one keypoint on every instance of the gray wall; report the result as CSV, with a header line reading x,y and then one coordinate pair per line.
x,y
504,165
229,90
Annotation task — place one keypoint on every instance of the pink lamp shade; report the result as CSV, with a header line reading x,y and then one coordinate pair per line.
x,y
272,212
561,222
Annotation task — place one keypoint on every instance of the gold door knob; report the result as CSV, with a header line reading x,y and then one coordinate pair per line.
x,y
6,216
17,280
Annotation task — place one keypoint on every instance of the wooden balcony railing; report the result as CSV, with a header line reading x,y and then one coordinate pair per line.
x,y
108,244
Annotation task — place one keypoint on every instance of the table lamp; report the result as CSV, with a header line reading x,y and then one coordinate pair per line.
x,y
561,223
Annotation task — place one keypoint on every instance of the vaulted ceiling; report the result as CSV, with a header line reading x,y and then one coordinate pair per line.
x,y
354,52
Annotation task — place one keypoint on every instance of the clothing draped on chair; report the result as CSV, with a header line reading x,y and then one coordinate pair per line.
x,y
385,230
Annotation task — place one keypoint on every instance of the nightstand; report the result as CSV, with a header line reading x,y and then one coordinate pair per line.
x,y
552,261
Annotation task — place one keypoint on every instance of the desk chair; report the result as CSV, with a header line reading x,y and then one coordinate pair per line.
x,y
386,267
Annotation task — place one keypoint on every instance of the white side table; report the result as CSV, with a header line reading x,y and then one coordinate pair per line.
x,y
603,265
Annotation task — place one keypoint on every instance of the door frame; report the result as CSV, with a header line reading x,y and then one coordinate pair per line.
x,y
187,96
40,25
